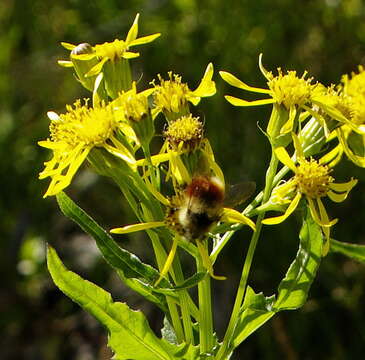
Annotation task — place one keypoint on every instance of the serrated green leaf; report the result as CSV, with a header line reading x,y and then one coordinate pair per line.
x,y
130,335
293,289
137,275
256,310
353,251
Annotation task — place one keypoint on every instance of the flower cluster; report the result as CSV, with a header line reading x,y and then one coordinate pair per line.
x,y
311,116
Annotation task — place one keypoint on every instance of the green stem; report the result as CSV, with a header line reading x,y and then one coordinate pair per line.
x,y
225,347
205,310
184,301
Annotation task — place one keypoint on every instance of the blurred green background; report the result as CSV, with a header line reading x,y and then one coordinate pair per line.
x,y
325,37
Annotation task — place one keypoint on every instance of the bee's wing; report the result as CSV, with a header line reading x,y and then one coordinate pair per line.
x,y
238,193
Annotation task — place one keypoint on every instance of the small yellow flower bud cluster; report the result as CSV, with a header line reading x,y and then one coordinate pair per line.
x,y
313,179
187,130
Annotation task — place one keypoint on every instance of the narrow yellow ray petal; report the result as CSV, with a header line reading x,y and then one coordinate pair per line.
x,y
234,81
207,85
156,159
284,157
168,262
207,262
317,218
279,219
137,227
130,55
234,216
341,187
65,63
145,39
133,31
68,46
262,68
297,146
326,230
240,102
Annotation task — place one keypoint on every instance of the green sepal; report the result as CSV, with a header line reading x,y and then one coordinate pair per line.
x,y
138,276
353,251
130,336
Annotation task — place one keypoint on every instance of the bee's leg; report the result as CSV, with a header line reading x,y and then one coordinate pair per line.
x,y
168,262
206,261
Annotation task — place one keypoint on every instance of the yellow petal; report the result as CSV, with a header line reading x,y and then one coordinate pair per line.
x,y
233,216
65,63
279,219
207,85
322,221
240,102
341,187
133,31
326,230
207,262
137,227
68,46
297,146
156,159
262,69
232,80
284,157
169,260
130,55
145,39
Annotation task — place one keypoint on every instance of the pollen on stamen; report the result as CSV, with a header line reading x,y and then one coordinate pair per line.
x,y
170,95
187,130
81,124
313,179
290,90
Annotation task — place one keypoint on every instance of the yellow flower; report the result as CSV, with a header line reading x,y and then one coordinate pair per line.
x,y
184,133
172,96
112,51
313,181
73,135
347,105
285,89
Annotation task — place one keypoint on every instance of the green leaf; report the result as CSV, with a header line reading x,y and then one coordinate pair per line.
x,y
353,251
137,275
187,284
293,289
130,335
256,310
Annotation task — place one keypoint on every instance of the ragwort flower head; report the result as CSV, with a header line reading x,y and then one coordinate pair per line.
x,y
112,51
286,89
172,96
73,135
354,89
185,133
312,180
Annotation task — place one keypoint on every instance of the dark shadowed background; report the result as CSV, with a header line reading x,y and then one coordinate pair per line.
x,y
37,321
